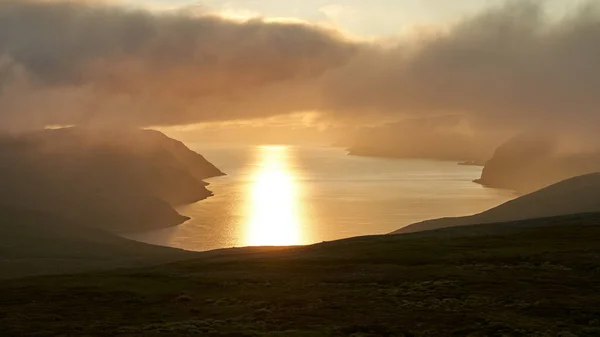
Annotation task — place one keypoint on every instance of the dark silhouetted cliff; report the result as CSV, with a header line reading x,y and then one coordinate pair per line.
x,y
118,180
529,162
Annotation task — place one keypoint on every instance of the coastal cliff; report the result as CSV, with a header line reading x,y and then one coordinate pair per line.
x,y
529,162
119,180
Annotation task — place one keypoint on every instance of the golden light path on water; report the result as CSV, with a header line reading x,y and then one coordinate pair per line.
x,y
273,214
296,195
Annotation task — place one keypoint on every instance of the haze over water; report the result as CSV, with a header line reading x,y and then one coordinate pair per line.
x,y
287,195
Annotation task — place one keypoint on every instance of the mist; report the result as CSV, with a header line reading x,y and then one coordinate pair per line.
x,y
509,68
69,63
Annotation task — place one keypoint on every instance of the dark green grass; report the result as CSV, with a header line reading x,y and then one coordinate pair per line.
x,y
534,278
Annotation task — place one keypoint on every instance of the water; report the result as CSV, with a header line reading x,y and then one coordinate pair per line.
x,y
284,195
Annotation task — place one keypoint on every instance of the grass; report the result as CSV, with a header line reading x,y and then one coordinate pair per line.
x,y
532,278
34,243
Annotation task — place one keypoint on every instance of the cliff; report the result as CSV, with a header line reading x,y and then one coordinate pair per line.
x,y
119,180
529,162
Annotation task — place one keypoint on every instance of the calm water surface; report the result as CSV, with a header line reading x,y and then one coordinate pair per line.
x,y
285,195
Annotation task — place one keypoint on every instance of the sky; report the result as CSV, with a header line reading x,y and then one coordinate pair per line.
x,y
372,19
324,64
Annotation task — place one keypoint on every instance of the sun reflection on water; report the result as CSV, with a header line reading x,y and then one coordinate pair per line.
x,y
273,214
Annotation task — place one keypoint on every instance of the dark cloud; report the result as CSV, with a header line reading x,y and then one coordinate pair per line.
x,y
509,67
146,68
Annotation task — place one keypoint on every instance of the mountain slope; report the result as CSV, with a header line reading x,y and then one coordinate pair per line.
x,y
535,278
33,243
117,180
576,195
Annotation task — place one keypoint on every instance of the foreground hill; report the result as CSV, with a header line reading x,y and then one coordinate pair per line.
x,y
572,196
111,179
33,243
535,278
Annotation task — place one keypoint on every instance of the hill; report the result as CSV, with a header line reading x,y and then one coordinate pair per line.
x,y
34,243
529,162
440,137
117,180
572,196
533,278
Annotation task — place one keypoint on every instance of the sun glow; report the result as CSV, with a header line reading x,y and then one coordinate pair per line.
x,y
274,218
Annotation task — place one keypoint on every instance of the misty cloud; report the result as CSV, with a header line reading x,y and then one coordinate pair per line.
x,y
157,68
509,67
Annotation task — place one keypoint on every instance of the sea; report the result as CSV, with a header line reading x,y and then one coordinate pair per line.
x,y
277,195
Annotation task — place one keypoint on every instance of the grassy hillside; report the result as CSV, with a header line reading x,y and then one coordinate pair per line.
x,y
534,278
33,243
572,196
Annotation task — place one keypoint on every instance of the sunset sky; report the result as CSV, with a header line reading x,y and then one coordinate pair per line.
x,y
510,65
359,18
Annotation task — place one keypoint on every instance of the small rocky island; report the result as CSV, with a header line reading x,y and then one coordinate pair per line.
x,y
117,180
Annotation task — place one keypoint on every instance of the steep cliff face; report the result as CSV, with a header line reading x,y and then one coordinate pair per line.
x,y
111,179
195,163
527,163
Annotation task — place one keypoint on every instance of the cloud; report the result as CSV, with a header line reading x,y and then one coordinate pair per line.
x,y
508,67
138,67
